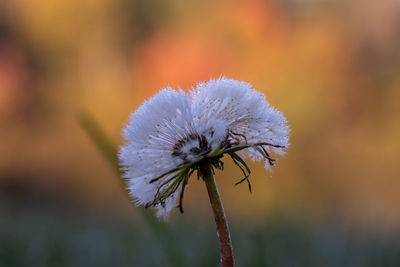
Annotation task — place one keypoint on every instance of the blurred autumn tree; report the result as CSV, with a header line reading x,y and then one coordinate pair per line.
x,y
331,66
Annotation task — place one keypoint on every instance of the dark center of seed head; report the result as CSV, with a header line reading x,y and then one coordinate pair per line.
x,y
201,147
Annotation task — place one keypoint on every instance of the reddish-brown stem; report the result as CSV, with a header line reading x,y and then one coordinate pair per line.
x,y
220,219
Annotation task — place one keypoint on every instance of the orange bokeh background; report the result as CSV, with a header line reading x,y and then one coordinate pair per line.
x,y
332,67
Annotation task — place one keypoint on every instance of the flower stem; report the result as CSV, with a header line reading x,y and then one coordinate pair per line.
x,y
220,219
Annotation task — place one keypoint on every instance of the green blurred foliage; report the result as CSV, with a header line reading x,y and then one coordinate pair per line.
x,y
59,240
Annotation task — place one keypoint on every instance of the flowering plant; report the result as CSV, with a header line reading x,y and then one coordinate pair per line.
x,y
174,134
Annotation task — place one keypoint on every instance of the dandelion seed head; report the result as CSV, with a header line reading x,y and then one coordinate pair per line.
x,y
171,133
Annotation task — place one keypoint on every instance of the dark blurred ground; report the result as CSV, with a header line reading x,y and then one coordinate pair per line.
x,y
332,67
59,240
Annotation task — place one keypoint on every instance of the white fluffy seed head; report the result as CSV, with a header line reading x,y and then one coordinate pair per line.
x,y
175,128
245,110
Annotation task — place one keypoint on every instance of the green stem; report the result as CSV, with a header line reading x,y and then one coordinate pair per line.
x,y
220,219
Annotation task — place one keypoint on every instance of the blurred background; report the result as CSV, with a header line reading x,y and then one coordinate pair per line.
x,y
332,68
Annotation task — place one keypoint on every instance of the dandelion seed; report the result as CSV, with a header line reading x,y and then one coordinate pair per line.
x,y
175,134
